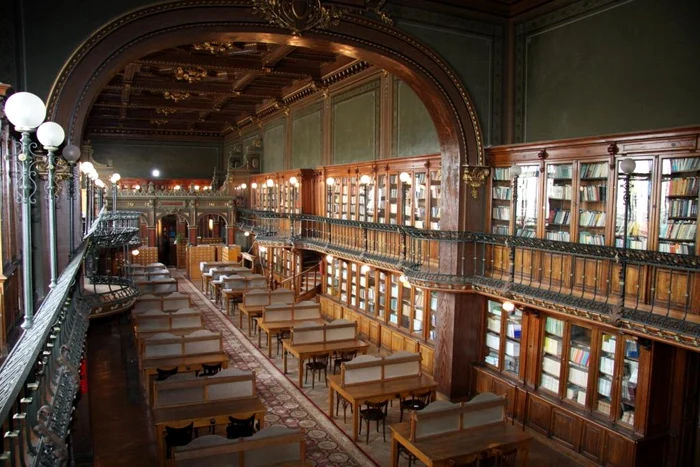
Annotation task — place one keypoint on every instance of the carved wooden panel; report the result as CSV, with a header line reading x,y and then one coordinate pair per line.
x,y
502,388
386,338
427,358
539,415
616,451
484,382
592,438
374,332
396,342
364,326
410,345
564,428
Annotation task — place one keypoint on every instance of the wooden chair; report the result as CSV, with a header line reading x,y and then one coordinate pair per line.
x,y
403,452
416,402
240,428
318,364
280,337
165,374
208,370
344,357
504,456
471,460
338,400
177,437
375,411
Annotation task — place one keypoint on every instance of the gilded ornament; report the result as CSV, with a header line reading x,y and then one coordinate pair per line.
x,y
191,75
215,47
475,176
176,96
164,111
159,122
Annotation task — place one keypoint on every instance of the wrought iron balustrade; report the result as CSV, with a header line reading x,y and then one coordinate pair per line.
x,y
661,290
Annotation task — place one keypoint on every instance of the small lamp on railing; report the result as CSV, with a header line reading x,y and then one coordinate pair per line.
x,y
364,182
115,186
627,166
71,154
85,169
405,179
100,194
294,182
51,136
515,172
26,112
93,177
270,183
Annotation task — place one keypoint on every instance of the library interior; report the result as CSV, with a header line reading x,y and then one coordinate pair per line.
x,y
350,233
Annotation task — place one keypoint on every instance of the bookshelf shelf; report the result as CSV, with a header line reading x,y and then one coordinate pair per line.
x,y
679,205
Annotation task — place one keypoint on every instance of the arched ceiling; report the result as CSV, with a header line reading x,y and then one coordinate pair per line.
x,y
206,88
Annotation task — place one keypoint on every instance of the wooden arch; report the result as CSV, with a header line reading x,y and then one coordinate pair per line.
x,y
154,28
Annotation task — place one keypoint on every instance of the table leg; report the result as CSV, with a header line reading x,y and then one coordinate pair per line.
x,y
284,356
250,325
355,420
161,446
301,372
240,321
269,344
394,452
330,401
260,339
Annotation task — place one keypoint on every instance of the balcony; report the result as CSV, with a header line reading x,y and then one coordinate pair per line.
x,y
661,296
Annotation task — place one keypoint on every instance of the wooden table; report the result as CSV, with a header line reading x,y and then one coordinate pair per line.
x,y
275,327
228,296
306,351
184,364
251,312
438,450
374,391
202,415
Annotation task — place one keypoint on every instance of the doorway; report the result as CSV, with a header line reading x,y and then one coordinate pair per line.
x,y
167,232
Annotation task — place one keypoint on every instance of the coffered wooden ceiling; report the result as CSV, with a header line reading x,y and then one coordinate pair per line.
x,y
203,90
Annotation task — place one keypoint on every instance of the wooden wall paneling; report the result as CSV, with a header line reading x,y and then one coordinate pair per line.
x,y
410,345
364,326
592,441
387,338
648,355
532,324
483,381
503,388
565,428
617,451
427,357
396,342
375,333
667,365
539,414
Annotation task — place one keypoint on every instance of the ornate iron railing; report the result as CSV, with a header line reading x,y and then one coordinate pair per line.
x,y
662,290
39,379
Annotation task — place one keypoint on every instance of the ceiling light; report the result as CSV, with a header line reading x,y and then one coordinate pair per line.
x,y
247,234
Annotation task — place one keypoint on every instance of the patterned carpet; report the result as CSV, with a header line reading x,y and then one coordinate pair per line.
x,y
326,444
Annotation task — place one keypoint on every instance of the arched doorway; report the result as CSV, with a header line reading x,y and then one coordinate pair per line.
x,y
211,228
171,236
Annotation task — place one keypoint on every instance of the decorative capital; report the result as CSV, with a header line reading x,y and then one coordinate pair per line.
x,y
297,15
475,176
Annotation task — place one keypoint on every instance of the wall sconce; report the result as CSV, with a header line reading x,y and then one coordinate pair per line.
x,y
405,177
270,182
196,188
247,234
293,181
508,307
243,186
211,224
135,252
330,181
177,187
254,186
262,249
364,269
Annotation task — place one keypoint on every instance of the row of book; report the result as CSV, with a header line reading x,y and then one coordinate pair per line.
x,y
552,346
560,192
594,192
501,213
685,165
684,186
678,230
635,244
683,207
559,171
554,326
502,192
580,356
599,170
559,217
677,248
588,238
561,236
526,233
592,219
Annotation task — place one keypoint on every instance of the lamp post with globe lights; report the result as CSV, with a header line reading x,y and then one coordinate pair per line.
x,y
71,154
627,166
115,180
515,172
26,112
51,136
85,169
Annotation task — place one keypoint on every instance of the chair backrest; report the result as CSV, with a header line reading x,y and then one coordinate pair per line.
x,y
362,369
162,344
147,302
256,297
179,436
256,281
484,409
186,388
281,296
436,418
277,313
307,333
175,301
240,428
286,448
341,330
402,364
203,443
210,370
165,374
307,310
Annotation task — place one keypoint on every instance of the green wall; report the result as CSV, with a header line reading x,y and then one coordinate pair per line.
x,y
473,49
307,137
174,160
273,145
355,123
413,133
624,67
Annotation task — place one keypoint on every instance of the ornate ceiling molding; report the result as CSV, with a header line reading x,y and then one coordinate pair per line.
x,y
191,75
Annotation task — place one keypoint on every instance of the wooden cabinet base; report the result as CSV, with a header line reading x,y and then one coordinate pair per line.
x,y
604,445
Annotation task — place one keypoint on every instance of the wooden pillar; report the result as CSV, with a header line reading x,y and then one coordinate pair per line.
x,y
193,235
230,235
458,343
152,236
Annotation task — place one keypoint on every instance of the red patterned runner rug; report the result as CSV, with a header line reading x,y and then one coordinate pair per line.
x,y
326,444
